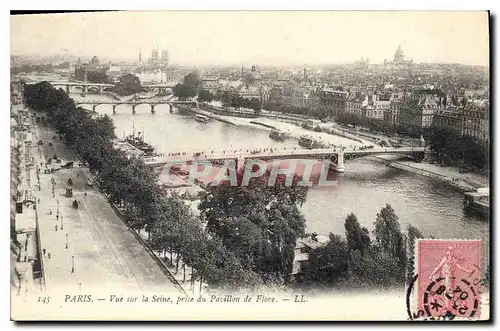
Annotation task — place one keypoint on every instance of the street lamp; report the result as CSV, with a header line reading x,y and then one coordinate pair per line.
x,y
66,241
72,263
57,207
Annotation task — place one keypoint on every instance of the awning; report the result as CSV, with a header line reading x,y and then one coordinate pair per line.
x,y
25,221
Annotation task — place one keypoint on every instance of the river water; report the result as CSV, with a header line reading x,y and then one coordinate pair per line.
x,y
365,187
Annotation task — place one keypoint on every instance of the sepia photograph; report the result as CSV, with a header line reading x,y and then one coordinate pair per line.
x,y
250,166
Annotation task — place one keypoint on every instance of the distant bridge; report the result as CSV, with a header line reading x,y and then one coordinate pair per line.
x,y
135,103
337,156
98,87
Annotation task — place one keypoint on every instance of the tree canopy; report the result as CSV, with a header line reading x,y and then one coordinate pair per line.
x,y
260,224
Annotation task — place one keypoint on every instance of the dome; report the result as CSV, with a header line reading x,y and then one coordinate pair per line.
x,y
399,55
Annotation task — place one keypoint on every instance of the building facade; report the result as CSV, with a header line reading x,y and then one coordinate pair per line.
x,y
476,121
333,101
91,72
418,111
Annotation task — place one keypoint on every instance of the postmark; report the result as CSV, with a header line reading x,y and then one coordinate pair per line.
x,y
448,285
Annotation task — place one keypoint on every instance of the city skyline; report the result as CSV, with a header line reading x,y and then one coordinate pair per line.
x,y
267,38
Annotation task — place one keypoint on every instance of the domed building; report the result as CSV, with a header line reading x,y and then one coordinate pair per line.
x,y
399,62
92,72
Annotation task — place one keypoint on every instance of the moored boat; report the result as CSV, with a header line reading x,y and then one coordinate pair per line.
x,y
306,141
310,143
139,143
277,135
201,118
478,201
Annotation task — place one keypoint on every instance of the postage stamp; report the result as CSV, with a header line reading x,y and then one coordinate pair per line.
x,y
449,278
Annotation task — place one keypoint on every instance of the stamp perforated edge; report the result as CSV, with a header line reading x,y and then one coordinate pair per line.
x,y
414,299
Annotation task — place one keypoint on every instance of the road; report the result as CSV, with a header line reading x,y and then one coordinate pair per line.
x,y
106,252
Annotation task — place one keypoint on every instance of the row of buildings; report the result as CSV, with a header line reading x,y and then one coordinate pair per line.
x,y
418,109
400,102
26,268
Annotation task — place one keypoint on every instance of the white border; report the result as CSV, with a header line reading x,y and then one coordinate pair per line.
x,y
207,5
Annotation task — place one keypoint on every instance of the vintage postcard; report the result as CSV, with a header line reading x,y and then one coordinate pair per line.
x,y
250,165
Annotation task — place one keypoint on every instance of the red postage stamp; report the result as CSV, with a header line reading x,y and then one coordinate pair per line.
x,y
449,278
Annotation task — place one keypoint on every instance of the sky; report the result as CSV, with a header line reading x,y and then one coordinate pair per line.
x,y
253,37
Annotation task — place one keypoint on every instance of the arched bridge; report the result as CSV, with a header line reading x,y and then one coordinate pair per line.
x,y
135,103
86,86
337,156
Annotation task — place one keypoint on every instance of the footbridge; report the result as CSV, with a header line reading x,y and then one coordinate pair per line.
x,y
135,103
337,156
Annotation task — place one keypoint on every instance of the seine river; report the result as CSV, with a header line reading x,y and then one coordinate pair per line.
x,y
431,206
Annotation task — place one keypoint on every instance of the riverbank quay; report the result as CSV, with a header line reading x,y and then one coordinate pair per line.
x,y
88,247
228,112
143,238
464,182
206,113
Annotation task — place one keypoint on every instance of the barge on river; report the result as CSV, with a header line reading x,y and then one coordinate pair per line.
x,y
310,143
478,201
201,118
277,135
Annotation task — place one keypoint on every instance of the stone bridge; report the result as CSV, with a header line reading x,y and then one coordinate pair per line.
x,y
97,87
135,103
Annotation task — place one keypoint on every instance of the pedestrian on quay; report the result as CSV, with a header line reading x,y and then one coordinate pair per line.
x,y
55,227
50,211
44,251
48,254
57,217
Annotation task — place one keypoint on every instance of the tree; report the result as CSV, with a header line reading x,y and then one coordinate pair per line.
x,y
204,95
192,79
330,263
260,224
184,91
128,84
412,234
388,235
358,238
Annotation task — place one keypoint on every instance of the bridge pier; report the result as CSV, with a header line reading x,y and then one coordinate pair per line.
x,y
133,109
85,89
114,109
340,162
67,89
171,108
152,109
93,108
